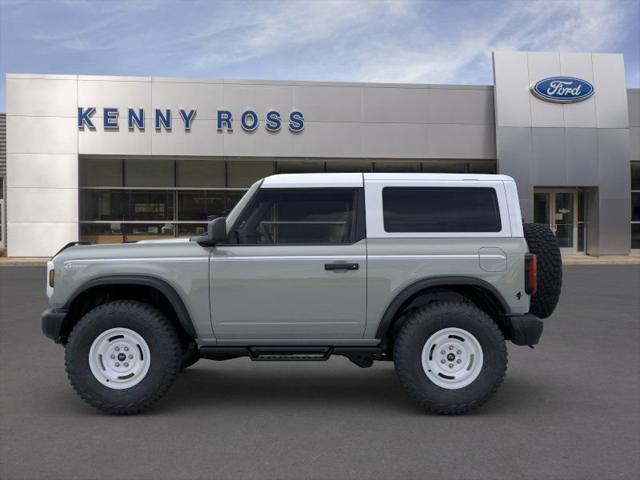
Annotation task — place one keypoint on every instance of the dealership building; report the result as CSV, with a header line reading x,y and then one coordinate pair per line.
x,y
112,159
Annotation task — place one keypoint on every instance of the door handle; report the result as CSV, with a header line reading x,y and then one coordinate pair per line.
x,y
341,266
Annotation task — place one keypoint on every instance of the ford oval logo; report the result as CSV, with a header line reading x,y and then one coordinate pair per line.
x,y
562,89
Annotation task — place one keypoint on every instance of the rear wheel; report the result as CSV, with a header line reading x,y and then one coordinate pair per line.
x,y
123,356
450,356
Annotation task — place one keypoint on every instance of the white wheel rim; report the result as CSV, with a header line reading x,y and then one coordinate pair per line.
x,y
119,358
452,358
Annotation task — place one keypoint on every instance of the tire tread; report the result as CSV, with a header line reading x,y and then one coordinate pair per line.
x,y
405,338
543,243
162,327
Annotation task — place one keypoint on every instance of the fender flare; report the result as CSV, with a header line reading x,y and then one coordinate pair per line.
x,y
148,281
443,281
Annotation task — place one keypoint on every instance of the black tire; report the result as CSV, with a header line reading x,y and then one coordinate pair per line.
x,y
542,242
190,355
420,325
165,356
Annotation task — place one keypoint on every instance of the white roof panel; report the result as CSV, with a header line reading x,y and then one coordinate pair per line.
x,y
311,180
316,180
434,177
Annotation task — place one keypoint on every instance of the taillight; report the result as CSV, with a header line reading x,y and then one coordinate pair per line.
x,y
530,274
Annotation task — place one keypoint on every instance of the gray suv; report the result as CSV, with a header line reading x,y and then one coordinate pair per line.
x,y
431,271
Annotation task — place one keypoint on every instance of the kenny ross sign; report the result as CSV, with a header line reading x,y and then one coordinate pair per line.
x,y
162,119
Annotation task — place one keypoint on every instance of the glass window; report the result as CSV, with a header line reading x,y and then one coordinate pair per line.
x,y
101,172
101,232
313,216
200,174
635,235
635,175
233,197
96,205
244,174
134,232
150,205
541,207
635,206
201,204
394,166
349,166
191,229
482,167
149,173
441,166
440,209
240,202
286,166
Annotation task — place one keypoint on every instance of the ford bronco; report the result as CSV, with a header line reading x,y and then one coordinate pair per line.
x,y
434,272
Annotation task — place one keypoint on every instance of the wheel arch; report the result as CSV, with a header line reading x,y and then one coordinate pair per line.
x,y
475,290
154,290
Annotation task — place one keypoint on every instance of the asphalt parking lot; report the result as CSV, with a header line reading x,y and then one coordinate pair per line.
x,y
570,409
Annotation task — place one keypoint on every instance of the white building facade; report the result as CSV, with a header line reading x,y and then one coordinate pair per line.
x,y
111,159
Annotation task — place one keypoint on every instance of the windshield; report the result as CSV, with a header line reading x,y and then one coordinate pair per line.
x,y
235,212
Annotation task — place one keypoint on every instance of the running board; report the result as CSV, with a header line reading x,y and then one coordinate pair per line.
x,y
361,356
289,354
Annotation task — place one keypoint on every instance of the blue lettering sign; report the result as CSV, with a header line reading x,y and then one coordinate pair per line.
x,y
163,120
562,89
84,117
274,123
249,121
110,118
296,122
187,118
136,120
225,119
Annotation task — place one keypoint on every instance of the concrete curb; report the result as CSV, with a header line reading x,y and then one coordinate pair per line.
x,y
612,260
22,262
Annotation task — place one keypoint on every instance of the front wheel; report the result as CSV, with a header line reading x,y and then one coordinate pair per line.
x,y
450,356
123,356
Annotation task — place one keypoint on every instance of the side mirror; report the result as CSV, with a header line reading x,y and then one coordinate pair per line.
x,y
217,230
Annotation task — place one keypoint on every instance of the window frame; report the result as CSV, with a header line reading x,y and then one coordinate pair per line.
x,y
358,232
375,212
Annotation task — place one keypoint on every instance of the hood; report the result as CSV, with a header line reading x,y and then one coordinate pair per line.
x,y
140,249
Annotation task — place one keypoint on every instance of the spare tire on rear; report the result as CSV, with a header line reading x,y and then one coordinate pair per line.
x,y
542,242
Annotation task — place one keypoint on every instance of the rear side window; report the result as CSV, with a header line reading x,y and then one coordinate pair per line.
x,y
440,209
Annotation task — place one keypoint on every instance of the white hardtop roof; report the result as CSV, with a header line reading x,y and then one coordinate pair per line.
x,y
310,180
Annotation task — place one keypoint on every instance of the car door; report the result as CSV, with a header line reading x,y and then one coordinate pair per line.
x,y
294,267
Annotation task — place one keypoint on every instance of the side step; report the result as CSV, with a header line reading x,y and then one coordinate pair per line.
x,y
289,354
361,356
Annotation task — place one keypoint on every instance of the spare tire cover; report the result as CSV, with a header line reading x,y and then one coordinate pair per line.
x,y
542,242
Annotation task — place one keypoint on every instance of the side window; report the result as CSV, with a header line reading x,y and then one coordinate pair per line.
x,y
299,216
440,209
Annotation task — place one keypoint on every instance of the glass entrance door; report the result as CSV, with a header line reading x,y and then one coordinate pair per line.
x,y
564,219
558,209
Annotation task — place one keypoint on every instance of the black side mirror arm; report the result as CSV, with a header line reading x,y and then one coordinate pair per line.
x,y
216,233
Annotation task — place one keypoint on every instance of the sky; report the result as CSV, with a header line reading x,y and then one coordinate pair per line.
x,y
403,41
